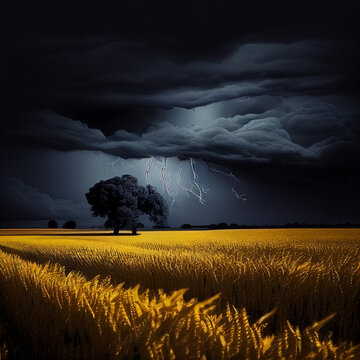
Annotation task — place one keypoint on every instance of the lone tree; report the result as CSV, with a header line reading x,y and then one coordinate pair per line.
x,y
70,224
122,200
52,224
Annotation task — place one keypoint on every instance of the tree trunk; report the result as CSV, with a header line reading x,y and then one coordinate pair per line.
x,y
116,230
133,231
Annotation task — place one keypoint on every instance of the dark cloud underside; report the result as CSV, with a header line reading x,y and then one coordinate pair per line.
x,y
25,202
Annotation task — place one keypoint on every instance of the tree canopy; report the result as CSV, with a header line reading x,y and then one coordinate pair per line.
x,y
122,201
70,224
52,224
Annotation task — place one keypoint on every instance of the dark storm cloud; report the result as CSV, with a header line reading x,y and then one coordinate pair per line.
x,y
101,63
269,87
26,202
49,130
308,134
304,133
123,87
198,23
112,76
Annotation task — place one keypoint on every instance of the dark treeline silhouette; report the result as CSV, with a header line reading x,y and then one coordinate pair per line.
x,y
294,225
161,227
52,224
70,224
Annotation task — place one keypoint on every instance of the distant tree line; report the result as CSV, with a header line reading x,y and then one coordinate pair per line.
x,y
70,224
159,227
293,225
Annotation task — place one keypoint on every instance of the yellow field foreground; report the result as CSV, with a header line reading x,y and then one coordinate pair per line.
x,y
307,274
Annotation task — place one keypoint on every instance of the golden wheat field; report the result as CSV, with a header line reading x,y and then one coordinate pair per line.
x,y
222,294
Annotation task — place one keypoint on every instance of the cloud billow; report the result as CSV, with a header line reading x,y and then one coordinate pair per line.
x,y
27,203
307,133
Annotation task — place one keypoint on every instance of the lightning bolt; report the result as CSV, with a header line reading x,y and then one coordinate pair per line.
x,y
122,161
147,171
187,190
179,179
201,188
166,183
223,173
125,164
239,196
112,164
234,181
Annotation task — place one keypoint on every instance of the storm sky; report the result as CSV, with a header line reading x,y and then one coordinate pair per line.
x,y
262,96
